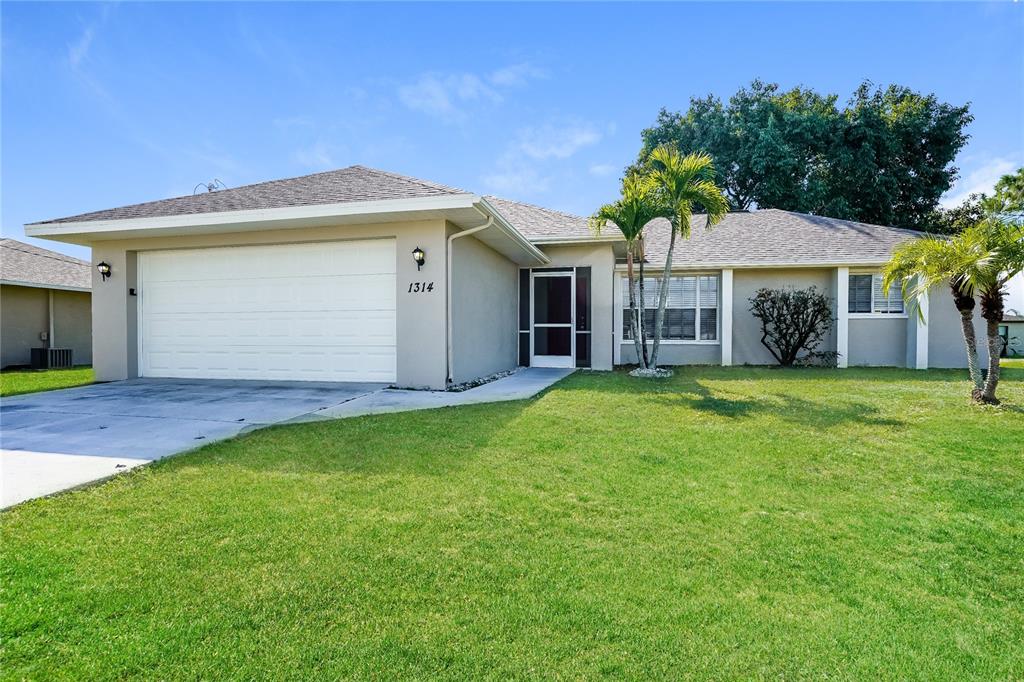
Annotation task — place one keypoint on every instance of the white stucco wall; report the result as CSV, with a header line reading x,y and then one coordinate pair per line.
x,y
484,300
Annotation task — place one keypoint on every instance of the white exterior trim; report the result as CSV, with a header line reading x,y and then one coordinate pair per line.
x,y
349,208
876,316
921,354
843,316
726,315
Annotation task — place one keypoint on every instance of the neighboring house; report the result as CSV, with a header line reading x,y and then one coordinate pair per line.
x,y
363,275
1012,331
44,302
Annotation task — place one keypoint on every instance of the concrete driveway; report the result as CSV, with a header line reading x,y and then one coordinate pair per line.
x,y
60,439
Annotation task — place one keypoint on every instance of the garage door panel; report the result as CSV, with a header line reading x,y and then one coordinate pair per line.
x,y
340,293
322,312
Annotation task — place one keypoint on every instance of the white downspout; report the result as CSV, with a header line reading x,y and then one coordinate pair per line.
x,y
448,311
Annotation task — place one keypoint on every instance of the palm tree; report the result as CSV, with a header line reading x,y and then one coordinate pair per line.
x,y
980,259
920,264
1004,242
637,207
684,183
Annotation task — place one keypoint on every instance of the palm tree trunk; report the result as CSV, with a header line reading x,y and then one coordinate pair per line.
x,y
995,344
659,316
633,326
971,345
964,303
992,311
645,362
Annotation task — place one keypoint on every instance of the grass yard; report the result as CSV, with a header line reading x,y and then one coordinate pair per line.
x,y
1012,362
16,382
728,523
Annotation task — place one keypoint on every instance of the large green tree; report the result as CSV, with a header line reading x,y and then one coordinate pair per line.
x,y
884,157
1007,200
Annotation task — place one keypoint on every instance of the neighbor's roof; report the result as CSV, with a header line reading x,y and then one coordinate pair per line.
x,y
775,237
22,263
355,183
1013,318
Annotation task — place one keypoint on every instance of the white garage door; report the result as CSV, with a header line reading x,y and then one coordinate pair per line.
x,y
313,312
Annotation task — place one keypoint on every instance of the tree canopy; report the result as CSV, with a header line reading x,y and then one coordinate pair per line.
x,y
885,157
1007,200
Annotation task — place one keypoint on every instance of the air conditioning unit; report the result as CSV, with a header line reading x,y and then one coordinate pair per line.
x,y
51,358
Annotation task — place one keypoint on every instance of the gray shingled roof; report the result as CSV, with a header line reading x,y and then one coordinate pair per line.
x,y
21,262
542,223
775,237
355,183
770,237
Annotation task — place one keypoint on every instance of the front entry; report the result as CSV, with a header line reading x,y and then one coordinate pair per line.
x,y
553,314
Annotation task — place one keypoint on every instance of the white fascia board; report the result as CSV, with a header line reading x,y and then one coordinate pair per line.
x,y
39,285
501,223
252,218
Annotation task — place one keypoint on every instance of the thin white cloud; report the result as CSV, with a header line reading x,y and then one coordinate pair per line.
x,y
316,156
447,96
443,95
516,75
525,165
602,170
557,141
78,50
980,180
516,179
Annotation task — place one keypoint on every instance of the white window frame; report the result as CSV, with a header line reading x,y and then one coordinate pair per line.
x,y
623,290
873,315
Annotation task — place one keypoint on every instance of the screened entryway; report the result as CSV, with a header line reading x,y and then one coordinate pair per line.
x,y
554,317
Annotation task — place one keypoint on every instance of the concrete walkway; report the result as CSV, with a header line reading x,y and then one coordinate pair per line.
x,y
524,384
57,440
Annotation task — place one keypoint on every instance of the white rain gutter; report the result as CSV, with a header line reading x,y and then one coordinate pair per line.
x,y
448,312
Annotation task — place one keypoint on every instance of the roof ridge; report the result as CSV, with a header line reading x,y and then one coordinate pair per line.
x,y
40,252
408,178
536,206
845,220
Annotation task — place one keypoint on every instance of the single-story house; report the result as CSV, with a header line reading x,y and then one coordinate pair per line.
x,y
364,275
1012,331
44,303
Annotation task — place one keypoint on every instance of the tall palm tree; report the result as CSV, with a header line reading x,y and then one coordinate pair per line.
x,y
684,183
638,205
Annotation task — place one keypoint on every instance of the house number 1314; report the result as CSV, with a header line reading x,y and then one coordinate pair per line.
x,y
420,287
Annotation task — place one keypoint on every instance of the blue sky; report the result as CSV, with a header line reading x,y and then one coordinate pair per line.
x,y
105,105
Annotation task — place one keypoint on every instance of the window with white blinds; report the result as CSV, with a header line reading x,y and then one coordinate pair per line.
x,y
868,296
691,309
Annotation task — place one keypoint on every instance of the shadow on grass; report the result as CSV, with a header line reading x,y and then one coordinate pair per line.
x,y
695,395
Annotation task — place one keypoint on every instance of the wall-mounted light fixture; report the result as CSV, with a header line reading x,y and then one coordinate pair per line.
x,y
104,269
419,257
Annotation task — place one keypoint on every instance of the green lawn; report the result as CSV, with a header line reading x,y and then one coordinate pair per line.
x,y
1012,362
15,382
729,523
